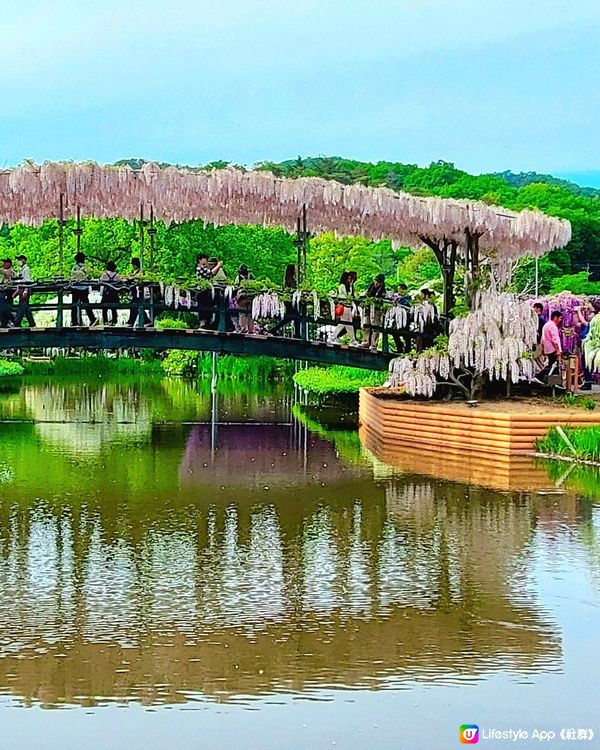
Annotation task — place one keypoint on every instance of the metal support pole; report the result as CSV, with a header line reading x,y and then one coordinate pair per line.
x,y
214,403
61,234
152,233
141,237
78,230
304,243
537,276
298,242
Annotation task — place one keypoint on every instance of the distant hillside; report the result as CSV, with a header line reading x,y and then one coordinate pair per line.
x,y
527,178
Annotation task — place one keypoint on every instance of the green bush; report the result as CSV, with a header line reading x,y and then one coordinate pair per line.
x,y
10,369
180,362
337,380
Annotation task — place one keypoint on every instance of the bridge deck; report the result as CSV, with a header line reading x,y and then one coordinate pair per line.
x,y
196,340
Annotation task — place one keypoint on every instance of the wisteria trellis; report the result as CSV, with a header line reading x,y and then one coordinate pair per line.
x,y
30,193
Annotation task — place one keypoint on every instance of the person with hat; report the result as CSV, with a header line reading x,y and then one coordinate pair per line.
x,y
373,315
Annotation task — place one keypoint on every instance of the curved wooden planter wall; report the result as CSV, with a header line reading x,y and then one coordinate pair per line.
x,y
484,429
481,445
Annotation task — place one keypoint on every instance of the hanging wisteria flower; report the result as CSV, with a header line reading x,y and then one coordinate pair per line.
x,y
495,339
267,305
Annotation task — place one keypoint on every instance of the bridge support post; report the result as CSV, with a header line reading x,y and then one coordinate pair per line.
x,y
214,403
60,308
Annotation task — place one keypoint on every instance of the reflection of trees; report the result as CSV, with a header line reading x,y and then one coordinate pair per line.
x,y
81,419
168,600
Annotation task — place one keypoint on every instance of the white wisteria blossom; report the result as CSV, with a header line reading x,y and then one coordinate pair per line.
x,y
495,340
591,345
396,317
267,305
30,193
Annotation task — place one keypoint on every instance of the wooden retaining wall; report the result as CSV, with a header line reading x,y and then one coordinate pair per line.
x,y
483,430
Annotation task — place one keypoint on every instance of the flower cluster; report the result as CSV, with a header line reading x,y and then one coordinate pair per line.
x,y
267,305
495,339
591,345
30,193
419,375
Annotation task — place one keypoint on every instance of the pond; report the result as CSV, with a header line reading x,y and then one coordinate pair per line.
x,y
179,569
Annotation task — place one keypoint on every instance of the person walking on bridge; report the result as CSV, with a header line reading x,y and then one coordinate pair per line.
x,y
80,298
137,294
7,277
372,314
110,295
24,294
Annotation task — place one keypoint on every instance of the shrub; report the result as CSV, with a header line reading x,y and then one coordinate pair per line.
x,y
337,380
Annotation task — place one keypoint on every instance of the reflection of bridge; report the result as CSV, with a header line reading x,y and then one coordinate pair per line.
x,y
297,336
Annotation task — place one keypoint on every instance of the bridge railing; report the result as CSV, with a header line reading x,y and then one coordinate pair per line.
x,y
146,301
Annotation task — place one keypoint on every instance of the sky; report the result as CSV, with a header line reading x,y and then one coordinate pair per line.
x,y
487,84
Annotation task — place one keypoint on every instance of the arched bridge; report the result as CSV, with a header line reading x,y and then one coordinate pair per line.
x,y
57,316
203,341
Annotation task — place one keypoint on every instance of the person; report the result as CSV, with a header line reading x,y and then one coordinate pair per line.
x,y
80,294
242,301
584,321
290,284
110,295
539,310
401,297
23,308
204,299
551,347
372,315
137,294
205,270
217,266
344,294
7,278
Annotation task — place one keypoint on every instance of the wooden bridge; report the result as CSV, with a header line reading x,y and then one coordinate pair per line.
x,y
296,337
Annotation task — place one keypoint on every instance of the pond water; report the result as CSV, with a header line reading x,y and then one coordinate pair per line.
x,y
180,571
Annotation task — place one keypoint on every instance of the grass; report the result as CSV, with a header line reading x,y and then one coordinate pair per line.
x,y
96,364
585,441
229,367
582,402
337,380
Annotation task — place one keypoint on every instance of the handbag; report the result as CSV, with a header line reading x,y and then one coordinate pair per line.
x,y
339,310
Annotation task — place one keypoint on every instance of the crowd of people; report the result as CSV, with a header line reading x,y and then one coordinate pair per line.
x,y
15,293
550,346
357,320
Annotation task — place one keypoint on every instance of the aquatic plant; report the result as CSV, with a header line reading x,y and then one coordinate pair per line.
x,y
10,369
581,442
337,380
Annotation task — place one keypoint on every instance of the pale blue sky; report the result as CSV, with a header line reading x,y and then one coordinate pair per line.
x,y
488,84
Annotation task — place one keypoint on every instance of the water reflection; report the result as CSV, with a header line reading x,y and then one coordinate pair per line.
x,y
178,570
